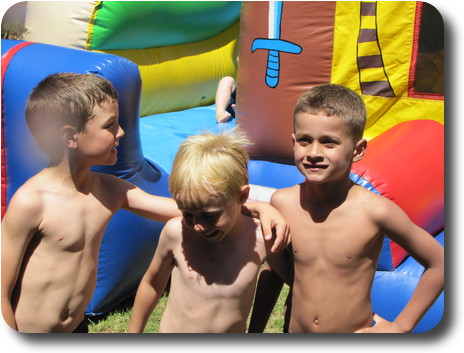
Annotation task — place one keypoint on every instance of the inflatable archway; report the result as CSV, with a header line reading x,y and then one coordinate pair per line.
x,y
182,48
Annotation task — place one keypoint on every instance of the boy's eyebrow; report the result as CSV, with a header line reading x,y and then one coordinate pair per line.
x,y
303,135
111,119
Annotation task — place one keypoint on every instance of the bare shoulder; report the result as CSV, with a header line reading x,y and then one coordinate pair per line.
x,y
172,230
255,228
285,195
252,234
378,207
26,207
109,181
112,187
29,197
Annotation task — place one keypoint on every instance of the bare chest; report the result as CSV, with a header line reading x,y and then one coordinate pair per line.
x,y
219,274
342,239
71,224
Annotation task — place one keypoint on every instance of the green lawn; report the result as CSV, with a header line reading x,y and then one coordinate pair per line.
x,y
117,321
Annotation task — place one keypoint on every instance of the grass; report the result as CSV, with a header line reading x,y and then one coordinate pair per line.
x,y
117,321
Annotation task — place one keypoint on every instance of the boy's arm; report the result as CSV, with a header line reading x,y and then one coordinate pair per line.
x,y
163,209
277,269
153,283
424,249
223,93
267,292
282,262
157,208
19,225
273,224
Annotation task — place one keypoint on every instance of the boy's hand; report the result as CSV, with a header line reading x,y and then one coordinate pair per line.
x,y
381,326
276,230
223,117
273,224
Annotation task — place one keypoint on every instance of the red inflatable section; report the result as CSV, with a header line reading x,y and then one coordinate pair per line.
x,y
406,165
6,58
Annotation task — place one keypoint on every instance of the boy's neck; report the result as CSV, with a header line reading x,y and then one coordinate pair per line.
x,y
329,195
71,174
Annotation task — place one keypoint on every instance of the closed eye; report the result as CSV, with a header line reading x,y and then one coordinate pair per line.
x,y
187,215
211,217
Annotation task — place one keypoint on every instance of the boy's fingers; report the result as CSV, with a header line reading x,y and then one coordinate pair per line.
x,y
277,246
267,231
280,236
281,239
269,236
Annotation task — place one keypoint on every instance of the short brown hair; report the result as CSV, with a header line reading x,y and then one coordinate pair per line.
x,y
335,101
65,99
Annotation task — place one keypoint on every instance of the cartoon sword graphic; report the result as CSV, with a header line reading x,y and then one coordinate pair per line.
x,y
274,44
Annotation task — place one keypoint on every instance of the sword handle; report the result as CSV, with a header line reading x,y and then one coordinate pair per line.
x,y
273,67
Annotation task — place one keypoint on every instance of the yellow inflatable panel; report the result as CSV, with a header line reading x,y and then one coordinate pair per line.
x,y
183,76
394,40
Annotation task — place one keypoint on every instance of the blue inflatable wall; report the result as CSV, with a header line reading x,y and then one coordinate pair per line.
x,y
129,241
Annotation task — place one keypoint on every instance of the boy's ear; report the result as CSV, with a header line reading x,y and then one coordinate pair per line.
x,y
359,150
293,140
244,193
68,136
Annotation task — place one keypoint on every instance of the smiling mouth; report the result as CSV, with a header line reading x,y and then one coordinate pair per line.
x,y
315,166
211,236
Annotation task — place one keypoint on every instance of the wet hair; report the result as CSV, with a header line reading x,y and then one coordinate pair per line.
x,y
335,101
209,167
65,99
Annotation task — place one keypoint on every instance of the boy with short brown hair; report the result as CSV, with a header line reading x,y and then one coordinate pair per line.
x,y
338,227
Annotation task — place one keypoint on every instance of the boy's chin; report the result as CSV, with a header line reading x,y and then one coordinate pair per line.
x,y
315,179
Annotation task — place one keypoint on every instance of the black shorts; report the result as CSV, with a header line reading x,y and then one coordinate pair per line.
x,y
83,327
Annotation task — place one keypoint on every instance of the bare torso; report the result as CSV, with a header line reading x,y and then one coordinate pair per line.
x,y
335,256
213,284
58,274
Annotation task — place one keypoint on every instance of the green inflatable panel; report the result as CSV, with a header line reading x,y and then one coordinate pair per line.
x,y
149,24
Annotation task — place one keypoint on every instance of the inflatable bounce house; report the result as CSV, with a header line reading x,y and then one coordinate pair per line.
x,y
165,60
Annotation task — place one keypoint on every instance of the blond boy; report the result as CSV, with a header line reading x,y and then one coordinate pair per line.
x,y
54,224
338,227
212,252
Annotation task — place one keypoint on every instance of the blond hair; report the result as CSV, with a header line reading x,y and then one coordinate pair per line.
x,y
335,101
210,166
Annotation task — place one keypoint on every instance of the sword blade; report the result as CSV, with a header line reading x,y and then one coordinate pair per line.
x,y
274,20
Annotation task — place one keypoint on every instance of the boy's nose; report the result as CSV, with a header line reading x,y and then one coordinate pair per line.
x,y
314,151
198,227
120,133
